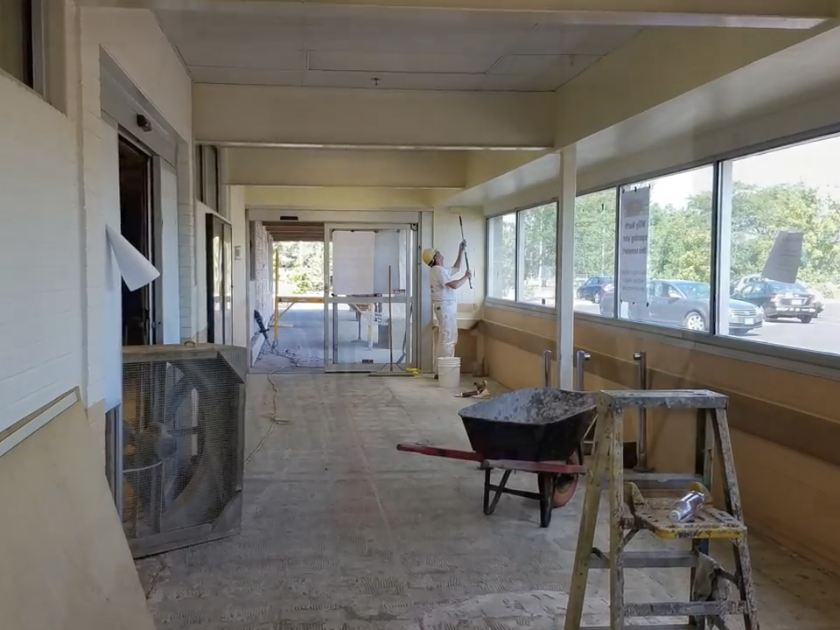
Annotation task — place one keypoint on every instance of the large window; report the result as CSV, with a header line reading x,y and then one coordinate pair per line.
x,y
538,255
747,248
522,255
16,50
780,250
594,250
501,257
665,251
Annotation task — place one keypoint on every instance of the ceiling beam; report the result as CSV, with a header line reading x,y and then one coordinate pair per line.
x,y
323,117
343,199
787,14
346,168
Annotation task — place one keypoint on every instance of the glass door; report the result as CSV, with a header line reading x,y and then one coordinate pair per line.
x,y
368,297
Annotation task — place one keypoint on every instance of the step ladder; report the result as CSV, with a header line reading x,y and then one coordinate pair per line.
x,y
632,512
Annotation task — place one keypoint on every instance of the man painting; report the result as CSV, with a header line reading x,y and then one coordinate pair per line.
x,y
444,300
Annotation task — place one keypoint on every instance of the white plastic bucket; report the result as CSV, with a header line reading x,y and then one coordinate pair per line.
x,y
449,372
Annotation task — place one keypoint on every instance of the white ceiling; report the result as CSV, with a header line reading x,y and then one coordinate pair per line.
x,y
370,48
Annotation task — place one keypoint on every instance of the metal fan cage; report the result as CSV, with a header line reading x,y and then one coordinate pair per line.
x,y
178,452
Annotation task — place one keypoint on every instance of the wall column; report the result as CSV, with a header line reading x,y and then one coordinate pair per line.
x,y
565,296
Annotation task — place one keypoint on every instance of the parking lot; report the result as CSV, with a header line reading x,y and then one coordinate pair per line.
x,y
821,335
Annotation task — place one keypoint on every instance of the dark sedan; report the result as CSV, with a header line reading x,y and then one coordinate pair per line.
x,y
685,304
594,288
780,300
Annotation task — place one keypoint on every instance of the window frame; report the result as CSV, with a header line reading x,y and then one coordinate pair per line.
x,y
822,364
208,176
35,27
516,303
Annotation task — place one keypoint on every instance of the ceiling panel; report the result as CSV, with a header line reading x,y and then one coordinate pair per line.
x,y
400,62
341,47
570,65
246,76
244,56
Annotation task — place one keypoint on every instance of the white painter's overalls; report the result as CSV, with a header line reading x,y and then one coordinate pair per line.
x,y
445,307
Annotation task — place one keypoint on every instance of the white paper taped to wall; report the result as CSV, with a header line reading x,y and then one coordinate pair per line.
x,y
135,268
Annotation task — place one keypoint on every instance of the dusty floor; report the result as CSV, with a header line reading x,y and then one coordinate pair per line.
x,y
341,531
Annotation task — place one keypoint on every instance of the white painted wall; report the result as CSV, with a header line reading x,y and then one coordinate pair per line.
x,y
41,328
59,325
239,225
169,264
112,302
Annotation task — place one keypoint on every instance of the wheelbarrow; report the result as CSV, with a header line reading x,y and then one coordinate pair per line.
x,y
538,431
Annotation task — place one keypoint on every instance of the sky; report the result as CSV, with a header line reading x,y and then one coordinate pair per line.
x,y
815,164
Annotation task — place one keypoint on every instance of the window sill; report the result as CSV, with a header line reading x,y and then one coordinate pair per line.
x,y
538,310
780,357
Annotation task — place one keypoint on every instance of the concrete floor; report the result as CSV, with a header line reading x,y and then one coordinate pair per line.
x,y
341,531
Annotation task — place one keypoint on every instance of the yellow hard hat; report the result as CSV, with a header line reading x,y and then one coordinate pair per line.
x,y
428,255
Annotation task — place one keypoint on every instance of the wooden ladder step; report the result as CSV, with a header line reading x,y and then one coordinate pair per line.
x,y
683,609
707,523
662,481
646,559
663,399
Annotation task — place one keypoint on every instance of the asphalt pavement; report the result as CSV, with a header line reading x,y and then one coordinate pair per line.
x,y
821,335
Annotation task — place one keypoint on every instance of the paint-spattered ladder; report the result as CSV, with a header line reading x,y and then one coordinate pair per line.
x,y
631,513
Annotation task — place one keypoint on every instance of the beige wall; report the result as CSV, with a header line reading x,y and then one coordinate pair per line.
x,y
790,496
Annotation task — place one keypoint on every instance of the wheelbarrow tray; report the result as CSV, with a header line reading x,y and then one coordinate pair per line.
x,y
536,425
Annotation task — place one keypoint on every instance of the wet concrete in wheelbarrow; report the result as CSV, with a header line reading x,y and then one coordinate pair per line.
x,y
341,531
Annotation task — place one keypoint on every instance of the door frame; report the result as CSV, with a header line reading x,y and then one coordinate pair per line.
x,y
412,327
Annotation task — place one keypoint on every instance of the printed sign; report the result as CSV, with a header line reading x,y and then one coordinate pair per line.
x,y
633,245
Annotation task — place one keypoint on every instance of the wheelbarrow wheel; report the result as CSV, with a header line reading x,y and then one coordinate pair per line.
x,y
565,485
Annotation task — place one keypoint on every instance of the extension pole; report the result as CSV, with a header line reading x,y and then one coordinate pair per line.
x,y
390,324
276,289
466,255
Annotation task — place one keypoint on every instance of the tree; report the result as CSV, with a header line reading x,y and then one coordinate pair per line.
x,y
681,237
539,246
595,234
302,265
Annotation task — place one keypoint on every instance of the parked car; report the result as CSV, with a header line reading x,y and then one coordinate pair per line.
x,y
738,285
685,304
594,288
780,300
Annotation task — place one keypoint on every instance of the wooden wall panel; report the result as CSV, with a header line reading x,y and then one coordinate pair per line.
x,y
786,430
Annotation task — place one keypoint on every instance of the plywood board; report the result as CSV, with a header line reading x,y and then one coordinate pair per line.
x,y
353,262
66,562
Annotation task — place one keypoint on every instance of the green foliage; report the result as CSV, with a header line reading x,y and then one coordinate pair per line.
x,y
680,237
595,234
302,265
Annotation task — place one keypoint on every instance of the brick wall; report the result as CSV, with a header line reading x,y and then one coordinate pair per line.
x,y
263,250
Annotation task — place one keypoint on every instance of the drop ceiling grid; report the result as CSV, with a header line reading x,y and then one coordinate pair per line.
x,y
386,50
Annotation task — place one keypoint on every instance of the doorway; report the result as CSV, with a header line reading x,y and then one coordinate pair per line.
x,y
369,297
139,315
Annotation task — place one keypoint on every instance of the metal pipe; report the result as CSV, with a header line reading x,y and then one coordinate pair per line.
x,y
641,440
547,368
581,357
